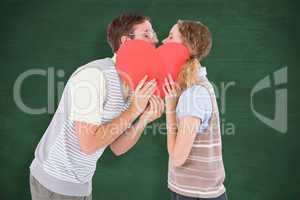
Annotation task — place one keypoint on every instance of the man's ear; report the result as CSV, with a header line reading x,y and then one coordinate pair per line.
x,y
124,39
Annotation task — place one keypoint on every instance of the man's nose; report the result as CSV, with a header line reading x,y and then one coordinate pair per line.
x,y
154,40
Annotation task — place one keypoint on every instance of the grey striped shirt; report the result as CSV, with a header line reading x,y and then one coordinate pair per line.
x,y
59,165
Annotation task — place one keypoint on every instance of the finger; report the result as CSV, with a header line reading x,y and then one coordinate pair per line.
x,y
167,93
148,85
151,101
155,101
171,79
158,100
147,89
150,91
147,108
141,83
167,85
162,105
156,105
153,106
172,83
165,90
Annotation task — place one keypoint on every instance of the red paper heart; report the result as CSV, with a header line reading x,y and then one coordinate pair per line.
x,y
137,58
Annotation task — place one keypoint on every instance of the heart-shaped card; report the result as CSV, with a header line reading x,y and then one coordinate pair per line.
x,y
137,58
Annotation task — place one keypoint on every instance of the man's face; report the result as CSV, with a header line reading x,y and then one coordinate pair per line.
x,y
144,31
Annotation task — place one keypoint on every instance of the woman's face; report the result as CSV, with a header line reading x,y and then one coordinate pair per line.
x,y
174,36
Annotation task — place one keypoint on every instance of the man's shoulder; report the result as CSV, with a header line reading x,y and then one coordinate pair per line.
x,y
100,62
96,66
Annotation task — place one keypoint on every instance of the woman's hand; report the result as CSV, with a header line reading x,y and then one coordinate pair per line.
x,y
171,91
154,110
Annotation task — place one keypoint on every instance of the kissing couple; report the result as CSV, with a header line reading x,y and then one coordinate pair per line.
x,y
98,109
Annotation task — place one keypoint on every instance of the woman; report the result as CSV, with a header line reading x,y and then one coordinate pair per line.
x,y
196,168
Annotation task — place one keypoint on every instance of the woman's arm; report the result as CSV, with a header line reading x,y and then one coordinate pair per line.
x,y
180,142
180,137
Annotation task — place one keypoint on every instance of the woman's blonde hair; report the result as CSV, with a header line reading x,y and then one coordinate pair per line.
x,y
197,38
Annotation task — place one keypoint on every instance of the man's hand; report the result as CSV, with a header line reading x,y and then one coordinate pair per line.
x,y
154,110
93,137
141,95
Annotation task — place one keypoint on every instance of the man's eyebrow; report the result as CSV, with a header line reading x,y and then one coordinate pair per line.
x,y
149,30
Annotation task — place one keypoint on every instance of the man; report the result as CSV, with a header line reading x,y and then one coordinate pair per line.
x,y
93,114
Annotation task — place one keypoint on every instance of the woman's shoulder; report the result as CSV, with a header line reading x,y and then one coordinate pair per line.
x,y
195,90
194,101
195,96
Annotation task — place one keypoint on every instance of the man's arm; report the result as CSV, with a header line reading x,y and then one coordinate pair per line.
x,y
93,137
127,140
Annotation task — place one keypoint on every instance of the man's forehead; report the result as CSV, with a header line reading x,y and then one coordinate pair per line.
x,y
174,28
146,25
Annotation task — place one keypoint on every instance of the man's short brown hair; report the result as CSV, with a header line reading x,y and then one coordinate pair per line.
x,y
123,25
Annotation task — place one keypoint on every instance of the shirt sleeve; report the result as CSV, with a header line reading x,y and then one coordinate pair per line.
x,y
87,95
195,102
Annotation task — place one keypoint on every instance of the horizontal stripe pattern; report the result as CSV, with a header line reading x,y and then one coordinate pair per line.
x,y
202,175
65,160
196,192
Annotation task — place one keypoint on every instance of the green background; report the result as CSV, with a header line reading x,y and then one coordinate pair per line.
x,y
252,39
